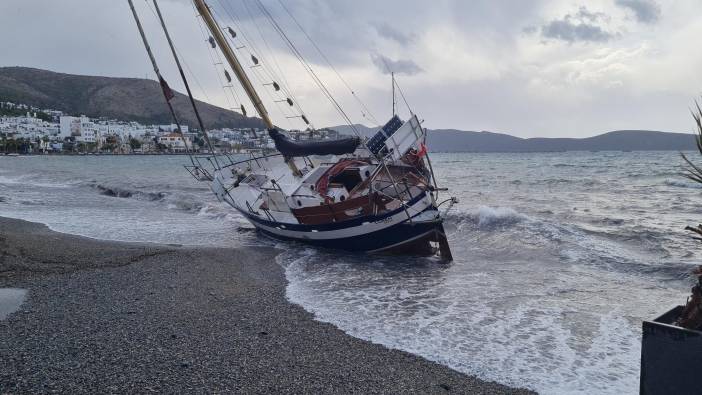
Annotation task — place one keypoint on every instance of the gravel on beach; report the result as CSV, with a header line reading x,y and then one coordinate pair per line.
x,y
109,317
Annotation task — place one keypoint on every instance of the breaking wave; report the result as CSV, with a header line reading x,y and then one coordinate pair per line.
x,y
31,180
486,217
188,202
550,280
682,184
123,192
185,204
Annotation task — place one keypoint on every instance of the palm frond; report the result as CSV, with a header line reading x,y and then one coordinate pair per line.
x,y
692,171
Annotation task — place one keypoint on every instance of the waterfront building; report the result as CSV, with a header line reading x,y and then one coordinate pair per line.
x,y
175,142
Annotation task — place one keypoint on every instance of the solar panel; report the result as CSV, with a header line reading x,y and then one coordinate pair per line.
x,y
377,143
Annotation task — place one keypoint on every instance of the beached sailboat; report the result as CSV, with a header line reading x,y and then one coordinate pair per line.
x,y
374,195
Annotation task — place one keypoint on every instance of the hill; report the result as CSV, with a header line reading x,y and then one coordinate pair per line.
x,y
363,130
451,140
129,99
620,140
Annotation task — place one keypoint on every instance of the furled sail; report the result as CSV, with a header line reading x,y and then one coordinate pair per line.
x,y
290,148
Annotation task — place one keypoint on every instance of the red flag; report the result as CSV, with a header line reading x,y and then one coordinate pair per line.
x,y
422,150
167,92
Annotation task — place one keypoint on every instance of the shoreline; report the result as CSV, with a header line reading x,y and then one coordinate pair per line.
x,y
106,316
17,154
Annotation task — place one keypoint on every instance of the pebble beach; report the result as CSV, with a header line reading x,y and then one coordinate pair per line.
x,y
113,317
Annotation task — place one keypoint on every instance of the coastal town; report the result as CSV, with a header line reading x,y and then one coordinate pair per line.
x,y
29,130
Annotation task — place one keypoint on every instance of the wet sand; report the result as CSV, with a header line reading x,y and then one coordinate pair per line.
x,y
114,317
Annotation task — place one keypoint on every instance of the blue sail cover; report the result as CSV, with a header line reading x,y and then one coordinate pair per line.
x,y
290,148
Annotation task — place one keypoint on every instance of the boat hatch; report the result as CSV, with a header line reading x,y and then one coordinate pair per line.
x,y
255,180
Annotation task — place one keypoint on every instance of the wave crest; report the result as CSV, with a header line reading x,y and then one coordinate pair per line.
x,y
122,192
485,216
681,184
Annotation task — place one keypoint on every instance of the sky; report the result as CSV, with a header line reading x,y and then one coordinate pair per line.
x,y
528,68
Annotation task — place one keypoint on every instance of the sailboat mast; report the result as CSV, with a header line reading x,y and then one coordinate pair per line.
x,y
185,81
213,27
393,93
167,93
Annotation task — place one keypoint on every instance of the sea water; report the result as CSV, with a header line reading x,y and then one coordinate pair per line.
x,y
558,256
11,300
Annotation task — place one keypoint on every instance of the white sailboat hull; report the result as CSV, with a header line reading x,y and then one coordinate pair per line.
x,y
418,224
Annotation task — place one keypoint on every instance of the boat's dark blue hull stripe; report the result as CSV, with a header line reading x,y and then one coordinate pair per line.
x,y
382,239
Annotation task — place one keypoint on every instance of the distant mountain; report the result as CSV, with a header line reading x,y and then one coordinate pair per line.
x,y
129,99
450,140
363,130
620,140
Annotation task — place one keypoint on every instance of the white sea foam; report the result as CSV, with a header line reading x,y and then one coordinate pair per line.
x,y
562,341
543,293
681,183
30,182
484,216
487,216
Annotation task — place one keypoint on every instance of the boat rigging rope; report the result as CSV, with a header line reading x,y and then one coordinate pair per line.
x,y
215,62
402,94
185,62
395,84
307,66
364,109
185,82
166,90
271,77
287,87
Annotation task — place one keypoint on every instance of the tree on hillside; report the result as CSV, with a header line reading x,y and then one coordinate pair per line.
x,y
199,142
24,146
86,147
69,144
3,142
134,144
111,144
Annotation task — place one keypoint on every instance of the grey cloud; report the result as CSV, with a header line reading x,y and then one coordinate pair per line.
x,y
108,44
400,66
584,15
581,26
571,32
389,32
645,11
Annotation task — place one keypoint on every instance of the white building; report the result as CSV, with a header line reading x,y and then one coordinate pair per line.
x,y
28,127
88,136
172,128
74,126
174,141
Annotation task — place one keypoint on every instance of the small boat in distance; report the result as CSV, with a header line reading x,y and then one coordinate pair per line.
x,y
372,195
